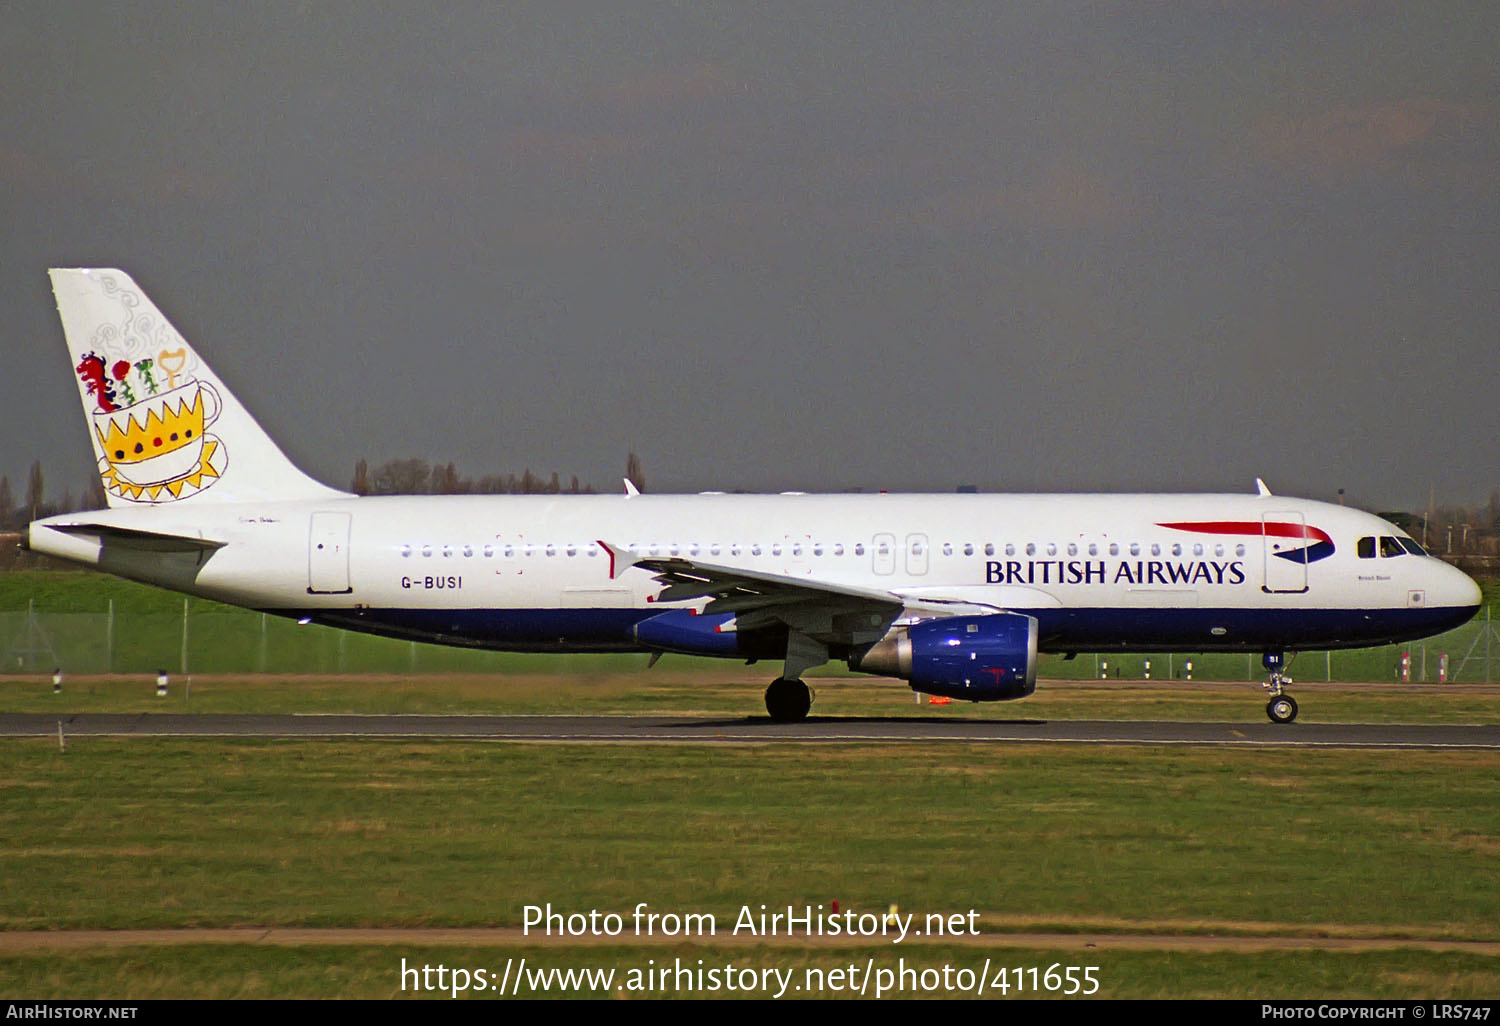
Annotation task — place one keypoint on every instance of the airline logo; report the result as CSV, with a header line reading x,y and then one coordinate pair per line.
x,y
149,411
1321,547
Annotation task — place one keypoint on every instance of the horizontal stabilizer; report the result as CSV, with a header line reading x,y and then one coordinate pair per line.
x,y
131,537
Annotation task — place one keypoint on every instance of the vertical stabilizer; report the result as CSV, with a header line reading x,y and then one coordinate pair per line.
x,y
164,427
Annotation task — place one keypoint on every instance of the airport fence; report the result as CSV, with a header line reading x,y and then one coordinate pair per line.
x,y
219,640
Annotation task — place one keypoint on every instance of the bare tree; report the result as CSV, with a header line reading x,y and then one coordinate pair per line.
x,y
35,490
403,477
635,473
93,495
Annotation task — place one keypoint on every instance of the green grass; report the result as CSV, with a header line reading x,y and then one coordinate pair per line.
x,y
173,833
135,833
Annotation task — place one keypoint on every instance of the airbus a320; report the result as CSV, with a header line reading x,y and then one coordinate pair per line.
x,y
957,594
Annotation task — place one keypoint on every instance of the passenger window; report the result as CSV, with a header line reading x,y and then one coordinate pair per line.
x,y
989,548
1135,548
1365,547
1391,547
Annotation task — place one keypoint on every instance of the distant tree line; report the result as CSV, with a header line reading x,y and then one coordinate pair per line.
x,y
419,477
15,515
394,477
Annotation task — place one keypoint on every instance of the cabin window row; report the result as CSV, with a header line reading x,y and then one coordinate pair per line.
x,y
917,548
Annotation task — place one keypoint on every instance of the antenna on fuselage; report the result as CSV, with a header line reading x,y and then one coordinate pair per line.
x,y
1260,486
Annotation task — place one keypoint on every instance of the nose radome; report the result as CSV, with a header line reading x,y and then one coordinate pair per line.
x,y
1458,589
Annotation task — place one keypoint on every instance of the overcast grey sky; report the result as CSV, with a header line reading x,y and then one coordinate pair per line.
x,y
1053,246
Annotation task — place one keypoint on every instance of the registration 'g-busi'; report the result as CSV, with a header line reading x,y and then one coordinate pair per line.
x,y
956,594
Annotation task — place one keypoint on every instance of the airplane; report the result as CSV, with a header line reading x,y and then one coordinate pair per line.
x,y
957,594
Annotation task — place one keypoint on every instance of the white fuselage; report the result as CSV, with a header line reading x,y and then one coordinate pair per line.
x,y
1099,572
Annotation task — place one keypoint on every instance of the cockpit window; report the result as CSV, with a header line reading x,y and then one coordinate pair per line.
x,y
1366,548
1391,547
1412,547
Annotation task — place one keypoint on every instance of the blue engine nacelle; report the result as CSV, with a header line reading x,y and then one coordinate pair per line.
x,y
986,658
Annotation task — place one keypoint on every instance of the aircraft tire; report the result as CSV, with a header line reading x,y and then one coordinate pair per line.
x,y
1282,709
788,700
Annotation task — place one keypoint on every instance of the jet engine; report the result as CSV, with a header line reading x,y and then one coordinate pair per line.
x,y
986,658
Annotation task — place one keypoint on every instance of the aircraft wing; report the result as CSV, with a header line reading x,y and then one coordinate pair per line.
x,y
820,609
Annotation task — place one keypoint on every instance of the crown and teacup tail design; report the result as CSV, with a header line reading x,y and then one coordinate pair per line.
x,y
164,427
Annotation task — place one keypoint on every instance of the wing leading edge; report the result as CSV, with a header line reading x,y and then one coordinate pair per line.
x,y
831,613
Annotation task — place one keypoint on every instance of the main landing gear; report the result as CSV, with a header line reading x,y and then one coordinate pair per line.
x,y
1282,708
788,700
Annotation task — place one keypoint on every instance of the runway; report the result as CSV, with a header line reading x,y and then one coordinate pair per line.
x,y
748,729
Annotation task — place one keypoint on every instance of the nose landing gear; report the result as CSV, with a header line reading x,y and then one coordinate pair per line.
x,y
1282,708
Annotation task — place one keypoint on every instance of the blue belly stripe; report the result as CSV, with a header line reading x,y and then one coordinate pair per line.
x,y
1061,630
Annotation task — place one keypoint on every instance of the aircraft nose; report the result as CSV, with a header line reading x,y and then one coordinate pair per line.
x,y
1456,589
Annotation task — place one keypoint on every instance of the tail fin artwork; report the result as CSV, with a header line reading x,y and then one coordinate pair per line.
x,y
164,427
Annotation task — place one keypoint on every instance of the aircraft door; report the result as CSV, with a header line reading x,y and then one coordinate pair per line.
x,y
883,550
916,554
328,554
1285,541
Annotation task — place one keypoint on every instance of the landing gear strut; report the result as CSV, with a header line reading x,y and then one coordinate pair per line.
x,y
1282,708
788,700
